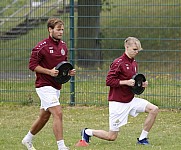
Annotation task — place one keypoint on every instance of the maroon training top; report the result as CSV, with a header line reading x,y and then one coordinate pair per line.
x,y
122,68
47,54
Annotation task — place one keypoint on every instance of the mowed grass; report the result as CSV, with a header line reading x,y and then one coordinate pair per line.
x,y
15,121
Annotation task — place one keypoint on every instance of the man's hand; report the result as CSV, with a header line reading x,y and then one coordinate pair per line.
x,y
131,82
72,72
54,72
145,84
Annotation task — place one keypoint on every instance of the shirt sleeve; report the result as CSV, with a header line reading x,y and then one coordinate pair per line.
x,y
112,78
35,58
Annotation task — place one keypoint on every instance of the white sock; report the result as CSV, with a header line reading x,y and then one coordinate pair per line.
x,y
143,135
61,143
89,132
29,136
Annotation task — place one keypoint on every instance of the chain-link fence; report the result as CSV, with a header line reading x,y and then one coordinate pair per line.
x,y
94,32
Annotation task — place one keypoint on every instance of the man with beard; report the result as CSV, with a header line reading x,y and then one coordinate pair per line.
x,y
44,57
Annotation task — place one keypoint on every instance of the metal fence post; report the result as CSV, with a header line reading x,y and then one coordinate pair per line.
x,y
72,83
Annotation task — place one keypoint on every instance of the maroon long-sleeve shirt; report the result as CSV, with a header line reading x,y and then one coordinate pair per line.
x,y
47,54
122,68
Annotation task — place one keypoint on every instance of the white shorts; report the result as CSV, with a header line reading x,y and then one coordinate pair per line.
x,y
49,96
118,112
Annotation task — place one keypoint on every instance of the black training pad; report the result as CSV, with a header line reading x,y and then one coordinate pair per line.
x,y
64,68
137,88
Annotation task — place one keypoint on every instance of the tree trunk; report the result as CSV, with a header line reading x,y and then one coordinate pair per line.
x,y
89,46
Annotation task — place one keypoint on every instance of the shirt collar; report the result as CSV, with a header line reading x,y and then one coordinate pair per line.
x,y
53,41
127,58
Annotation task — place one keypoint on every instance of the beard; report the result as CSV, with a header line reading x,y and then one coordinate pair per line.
x,y
56,38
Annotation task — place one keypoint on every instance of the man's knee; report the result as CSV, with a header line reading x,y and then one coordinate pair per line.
x,y
154,111
56,111
112,136
44,118
57,115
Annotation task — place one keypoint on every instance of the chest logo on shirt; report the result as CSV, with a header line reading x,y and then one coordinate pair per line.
x,y
127,66
62,51
51,49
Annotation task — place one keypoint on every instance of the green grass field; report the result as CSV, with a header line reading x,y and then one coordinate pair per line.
x,y
16,120
160,61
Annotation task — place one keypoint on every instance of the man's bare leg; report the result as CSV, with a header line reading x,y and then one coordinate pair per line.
x,y
152,111
56,112
109,136
36,127
40,121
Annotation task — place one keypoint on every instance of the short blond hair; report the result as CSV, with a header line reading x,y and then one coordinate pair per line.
x,y
133,40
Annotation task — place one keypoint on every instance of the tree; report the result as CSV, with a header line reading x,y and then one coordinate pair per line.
x,y
88,44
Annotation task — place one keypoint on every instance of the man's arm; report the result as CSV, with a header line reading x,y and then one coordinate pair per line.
x,y
52,72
